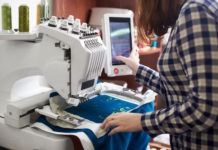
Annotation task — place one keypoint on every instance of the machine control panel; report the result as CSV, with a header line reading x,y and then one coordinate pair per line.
x,y
118,36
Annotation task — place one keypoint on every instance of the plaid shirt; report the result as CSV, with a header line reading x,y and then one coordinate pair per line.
x,y
188,77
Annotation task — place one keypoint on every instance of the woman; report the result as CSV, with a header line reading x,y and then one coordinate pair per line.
x,y
187,74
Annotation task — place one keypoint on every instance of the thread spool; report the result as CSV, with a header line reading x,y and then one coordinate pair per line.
x,y
6,17
154,43
23,18
46,11
38,14
42,9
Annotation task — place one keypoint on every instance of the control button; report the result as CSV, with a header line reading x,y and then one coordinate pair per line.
x,y
116,71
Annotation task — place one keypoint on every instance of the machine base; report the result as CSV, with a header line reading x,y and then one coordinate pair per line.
x,y
31,139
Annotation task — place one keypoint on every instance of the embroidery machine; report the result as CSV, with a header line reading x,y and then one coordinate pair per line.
x,y
58,57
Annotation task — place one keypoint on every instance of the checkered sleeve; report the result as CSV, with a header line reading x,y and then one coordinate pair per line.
x,y
149,78
196,36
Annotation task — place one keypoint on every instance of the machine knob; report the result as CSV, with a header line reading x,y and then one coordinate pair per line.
x,y
64,25
89,29
84,28
53,22
76,26
77,21
70,20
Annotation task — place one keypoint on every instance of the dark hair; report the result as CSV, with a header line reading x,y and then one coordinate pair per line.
x,y
156,16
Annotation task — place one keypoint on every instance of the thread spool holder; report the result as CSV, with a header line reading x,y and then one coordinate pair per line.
x,y
22,36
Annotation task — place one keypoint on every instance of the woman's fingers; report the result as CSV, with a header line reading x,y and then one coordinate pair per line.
x,y
107,122
121,58
111,123
132,61
123,122
104,123
115,130
134,52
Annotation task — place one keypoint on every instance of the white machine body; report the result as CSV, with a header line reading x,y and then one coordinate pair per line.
x,y
64,58
76,73
68,63
60,60
118,36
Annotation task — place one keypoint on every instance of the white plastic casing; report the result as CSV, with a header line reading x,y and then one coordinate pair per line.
x,y
110,69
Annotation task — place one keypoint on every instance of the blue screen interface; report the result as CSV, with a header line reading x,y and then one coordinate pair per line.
x,y
120,39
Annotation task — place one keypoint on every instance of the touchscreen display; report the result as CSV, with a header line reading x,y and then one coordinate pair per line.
x,y
120,35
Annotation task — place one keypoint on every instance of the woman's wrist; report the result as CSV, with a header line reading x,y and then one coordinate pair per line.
x,y
136,68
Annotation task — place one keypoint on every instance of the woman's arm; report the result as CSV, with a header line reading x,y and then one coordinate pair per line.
x,y
197,34
198,50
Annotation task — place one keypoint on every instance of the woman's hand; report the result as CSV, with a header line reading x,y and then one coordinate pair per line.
x,y
123,122
132,61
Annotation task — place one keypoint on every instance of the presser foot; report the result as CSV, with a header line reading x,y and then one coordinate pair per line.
x,y
71,119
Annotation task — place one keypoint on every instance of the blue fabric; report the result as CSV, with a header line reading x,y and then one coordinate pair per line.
x,y
128,140
124,141
98,108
